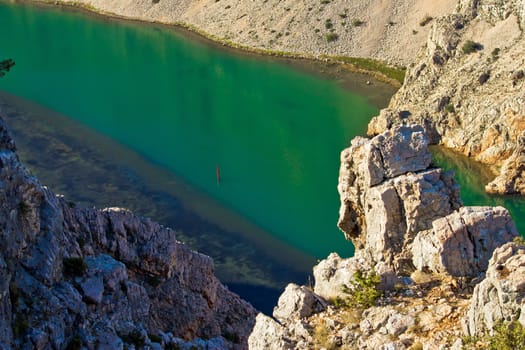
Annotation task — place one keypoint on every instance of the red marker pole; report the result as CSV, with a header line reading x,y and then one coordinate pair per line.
x,y
218,174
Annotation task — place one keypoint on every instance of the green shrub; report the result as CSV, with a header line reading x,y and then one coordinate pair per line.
x,y
75,266
232,337
519,240
495,53
507,336
20,325
155,338
330,37
328,24
362,293
426,20
357,23
364,289
450,108
470,46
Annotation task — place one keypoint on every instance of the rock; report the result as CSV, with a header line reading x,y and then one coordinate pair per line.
x,y
398,323
297,302
501,295
332,274
389,193
462,243
93,289
112,271
474,120
109,341
268,335
512,175
131,273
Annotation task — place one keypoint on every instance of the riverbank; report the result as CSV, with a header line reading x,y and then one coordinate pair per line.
x,y
389,69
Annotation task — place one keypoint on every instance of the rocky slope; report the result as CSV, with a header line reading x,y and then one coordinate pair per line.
x,y
408,225
388,30
104,279
467,87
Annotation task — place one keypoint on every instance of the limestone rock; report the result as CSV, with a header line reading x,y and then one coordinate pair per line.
x,y
389,193
470,102
297,302
332,274
512,175
131,276
462,243
268,335
501,295
93,289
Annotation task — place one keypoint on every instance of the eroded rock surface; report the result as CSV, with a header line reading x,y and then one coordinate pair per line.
x,y
104,278
467,88
501,295
389,193
409,226
462,243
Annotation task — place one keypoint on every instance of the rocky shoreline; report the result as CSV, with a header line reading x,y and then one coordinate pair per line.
x,y
107,279
445,272
470,50
466,87
372,29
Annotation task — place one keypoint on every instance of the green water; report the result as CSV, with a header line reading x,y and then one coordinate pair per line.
x,y
472,178
275,132
140,116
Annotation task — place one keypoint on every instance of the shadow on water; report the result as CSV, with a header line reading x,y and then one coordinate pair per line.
x,y
93,170
138,128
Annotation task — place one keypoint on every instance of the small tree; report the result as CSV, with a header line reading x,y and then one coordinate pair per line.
x,y
5,66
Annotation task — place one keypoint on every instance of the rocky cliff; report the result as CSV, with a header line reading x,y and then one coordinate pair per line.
x,y
427,271
76,278
387,30
467,87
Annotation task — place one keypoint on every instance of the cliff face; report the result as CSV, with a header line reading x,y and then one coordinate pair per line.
x,y
388,30
467,88
103,279
429,253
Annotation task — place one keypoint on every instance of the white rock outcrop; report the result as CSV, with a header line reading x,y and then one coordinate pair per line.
x,y
501,295
466,88
462,243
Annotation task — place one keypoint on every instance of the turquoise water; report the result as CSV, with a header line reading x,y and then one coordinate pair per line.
x,y
472,178
274,132
147,114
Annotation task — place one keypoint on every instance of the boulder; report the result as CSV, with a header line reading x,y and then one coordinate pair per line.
x,y
268,335
462,243
332,275
297,302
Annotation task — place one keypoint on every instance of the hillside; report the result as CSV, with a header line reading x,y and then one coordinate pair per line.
x,y
386,30
466,87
